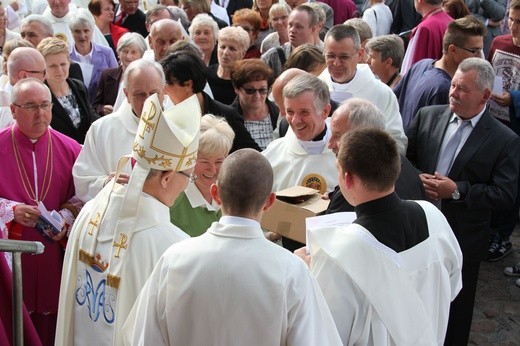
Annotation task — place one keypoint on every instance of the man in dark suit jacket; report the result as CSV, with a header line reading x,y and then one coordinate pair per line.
x,y
232,6
482,176
132,17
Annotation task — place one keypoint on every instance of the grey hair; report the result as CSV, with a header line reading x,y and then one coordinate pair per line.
x,y
216,136
237,34
81,17
361,114
362,27
342,31
177,14
20,85
163,22
140,64
485,74
156,10
320,12
204,19
389,46
307,82
46,24
132,38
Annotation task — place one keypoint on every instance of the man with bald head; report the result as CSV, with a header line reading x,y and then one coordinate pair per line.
x,y
231,261
357,113
23,62
163,34
112,136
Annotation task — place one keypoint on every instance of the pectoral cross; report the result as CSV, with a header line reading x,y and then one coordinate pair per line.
x,y
121,245
94,223
147,120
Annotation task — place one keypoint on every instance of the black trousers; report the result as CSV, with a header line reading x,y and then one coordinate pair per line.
x,y
461,309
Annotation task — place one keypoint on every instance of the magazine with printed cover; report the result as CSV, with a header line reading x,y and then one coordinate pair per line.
x,y
49,224
507,66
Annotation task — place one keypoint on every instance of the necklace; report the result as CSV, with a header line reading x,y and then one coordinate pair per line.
x,y
26,182
394,76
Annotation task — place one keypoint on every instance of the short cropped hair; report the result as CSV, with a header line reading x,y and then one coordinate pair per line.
x,y
47,28
250,16
305,57
132,39
320,12
52,45
342,31
460,30
235,34
361,114
200,6
251,70
138,65
216,136
245,182
81,17
485,73
203,19
95,6
362,27
313,15
184,45
12,45
183,66
21,84
308,82
389,46
155,10
372,155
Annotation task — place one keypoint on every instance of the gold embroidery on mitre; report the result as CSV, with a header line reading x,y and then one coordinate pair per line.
x,y
164,161
147,118
121,245
315,181
191,160
113,281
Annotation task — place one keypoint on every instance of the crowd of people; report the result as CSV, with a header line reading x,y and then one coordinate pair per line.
x,y
160,131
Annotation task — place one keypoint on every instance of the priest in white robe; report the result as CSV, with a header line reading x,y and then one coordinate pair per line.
x,y
389,277
121,234
112,136
231,286
302,157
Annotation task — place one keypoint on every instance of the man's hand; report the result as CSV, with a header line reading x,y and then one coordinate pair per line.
x,y
123,178
437,186
107,109
503,99
302,253
26,215
63,232
271,236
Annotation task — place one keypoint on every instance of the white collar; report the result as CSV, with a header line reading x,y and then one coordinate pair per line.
x,y
197,200
238,221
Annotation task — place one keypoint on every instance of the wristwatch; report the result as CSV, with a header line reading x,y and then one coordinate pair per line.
x,y
455,195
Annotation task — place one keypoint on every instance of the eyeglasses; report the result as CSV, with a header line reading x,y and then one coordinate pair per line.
x,y
471,50
342,58
192,177
31,107
42,72
252,91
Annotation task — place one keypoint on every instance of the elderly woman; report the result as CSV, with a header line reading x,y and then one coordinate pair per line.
x,y
263,8
194,210
279,19
195,7
232,45
93,58
103,12
185,76
130,47
250,21
204,33
72,113
252,80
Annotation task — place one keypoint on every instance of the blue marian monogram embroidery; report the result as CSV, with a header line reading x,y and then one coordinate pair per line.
x,y
95,299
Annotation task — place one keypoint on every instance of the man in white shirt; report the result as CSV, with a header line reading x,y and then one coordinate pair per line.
x,y
408,248
301,157
231,286
346,79
112,136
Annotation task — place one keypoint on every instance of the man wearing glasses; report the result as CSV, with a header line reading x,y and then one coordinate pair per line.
x,y
23,62
428,82
37,165
346,79
124,230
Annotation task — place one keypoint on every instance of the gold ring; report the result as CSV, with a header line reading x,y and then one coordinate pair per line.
x,y
27,215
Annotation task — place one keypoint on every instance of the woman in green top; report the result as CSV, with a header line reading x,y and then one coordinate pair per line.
x,y
194,210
